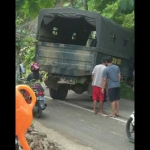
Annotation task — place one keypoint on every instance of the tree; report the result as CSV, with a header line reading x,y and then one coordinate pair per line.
x,y
59,3
116,10
17,57
29,9
85,5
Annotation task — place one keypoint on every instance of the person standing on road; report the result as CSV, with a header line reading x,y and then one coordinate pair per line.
x,y
97,85
112,76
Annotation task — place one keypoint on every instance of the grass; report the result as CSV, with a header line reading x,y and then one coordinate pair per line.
x,y
126,91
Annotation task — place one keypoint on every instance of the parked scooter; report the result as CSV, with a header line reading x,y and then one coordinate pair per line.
x,y
130,127
39,92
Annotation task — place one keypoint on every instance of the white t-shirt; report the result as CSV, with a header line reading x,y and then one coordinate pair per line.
x,y
98,72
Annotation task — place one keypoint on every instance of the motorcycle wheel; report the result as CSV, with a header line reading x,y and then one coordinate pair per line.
x,y
130,130
16,143
39,113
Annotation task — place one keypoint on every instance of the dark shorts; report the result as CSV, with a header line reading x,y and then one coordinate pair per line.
x,y
114,94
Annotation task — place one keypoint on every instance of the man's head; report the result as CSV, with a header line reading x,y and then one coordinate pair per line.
x,y
104,61
109,59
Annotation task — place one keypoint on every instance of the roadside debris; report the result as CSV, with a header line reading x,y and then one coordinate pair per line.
x,y
38,140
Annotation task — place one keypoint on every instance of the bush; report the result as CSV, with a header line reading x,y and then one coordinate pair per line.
x,y
126,91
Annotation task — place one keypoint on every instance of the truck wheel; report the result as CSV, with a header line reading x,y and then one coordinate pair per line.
x,y
62,92
53,93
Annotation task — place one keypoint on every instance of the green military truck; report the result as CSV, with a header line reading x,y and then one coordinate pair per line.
x,y
71,42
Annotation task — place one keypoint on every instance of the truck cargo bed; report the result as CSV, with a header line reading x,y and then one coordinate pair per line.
x,y
65,59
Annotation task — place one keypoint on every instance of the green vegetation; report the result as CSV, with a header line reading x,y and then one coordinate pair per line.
x,y
126,91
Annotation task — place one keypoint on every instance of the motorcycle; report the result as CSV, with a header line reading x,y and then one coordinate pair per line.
x,y
130,127
39,92
16,143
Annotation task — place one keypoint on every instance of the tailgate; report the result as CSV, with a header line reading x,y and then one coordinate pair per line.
x,y
64,59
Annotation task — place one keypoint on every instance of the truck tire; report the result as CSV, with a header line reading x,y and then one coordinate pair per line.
x,y
61,93
53,93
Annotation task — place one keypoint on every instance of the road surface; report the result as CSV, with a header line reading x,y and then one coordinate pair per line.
x,y
73,118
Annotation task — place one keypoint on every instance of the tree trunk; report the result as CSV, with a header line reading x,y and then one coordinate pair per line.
x,y
17,68
59,3
85,6
71,3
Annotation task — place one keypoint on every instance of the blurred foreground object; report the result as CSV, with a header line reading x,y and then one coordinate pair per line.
x,y
24,115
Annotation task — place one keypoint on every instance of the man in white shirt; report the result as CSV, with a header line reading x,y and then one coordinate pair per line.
x,y
97,85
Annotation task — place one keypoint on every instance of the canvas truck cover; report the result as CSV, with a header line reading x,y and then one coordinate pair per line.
x,y
62,55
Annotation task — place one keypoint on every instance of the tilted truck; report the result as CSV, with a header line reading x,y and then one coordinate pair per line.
x,y
70,42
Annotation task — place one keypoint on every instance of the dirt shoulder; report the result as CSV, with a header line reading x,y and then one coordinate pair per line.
x,y
61,142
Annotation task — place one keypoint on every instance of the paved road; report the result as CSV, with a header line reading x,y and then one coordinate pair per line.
x,y
84,100
74,119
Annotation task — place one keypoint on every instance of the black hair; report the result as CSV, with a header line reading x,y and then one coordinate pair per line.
x,y
109,59
104,60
